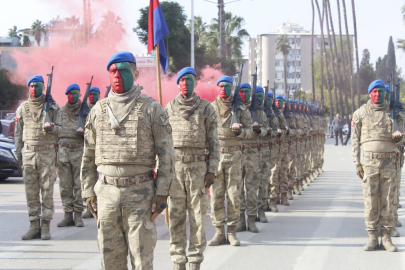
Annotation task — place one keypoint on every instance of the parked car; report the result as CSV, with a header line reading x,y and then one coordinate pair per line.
x,y
345,129
8,160
7,126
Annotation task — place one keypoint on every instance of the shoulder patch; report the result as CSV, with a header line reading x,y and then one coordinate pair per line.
x,y
248,114
169,128
163,118
352,123
243,107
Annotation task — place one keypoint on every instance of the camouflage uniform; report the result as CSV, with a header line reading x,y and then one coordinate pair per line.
x,y
292,152
284,161
117,168
300,150
192,136
38,151
228,178
251,168
313,149
69,160
307,149
274,185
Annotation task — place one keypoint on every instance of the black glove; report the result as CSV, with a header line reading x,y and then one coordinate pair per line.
x,y
209,179
160,202
237,131
360,171
90,201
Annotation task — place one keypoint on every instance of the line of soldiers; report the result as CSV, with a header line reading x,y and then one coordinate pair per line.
x,y
253,165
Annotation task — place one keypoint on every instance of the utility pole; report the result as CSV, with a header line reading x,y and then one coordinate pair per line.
x,y
192,33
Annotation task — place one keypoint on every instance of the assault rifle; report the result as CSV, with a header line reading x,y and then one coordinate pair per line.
x,y
108,91
236,99
275,109
287,108
255,102
293,110
48,99
84,109
298,102
395,105
266,102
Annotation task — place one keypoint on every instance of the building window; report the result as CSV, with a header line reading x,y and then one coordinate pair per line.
x,y
298,75
298,63
297,40
279,75
280,86
279,63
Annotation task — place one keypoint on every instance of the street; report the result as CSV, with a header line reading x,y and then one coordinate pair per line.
x,y
321,229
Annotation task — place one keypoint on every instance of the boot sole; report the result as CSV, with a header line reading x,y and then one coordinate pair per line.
x,y
37,236
46,238
241,230
383,248
234,245
224,242
67,225
79,225
254,231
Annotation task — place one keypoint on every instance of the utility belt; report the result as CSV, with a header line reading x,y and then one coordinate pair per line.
x,y
40,148
379,155
230,149
249,145
71,145
191,158
126,181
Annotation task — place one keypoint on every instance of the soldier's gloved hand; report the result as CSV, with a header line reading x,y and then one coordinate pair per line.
x,y
159,203
209,180
237,128
360,171
92,205
398,136
269,130
19,160
48,126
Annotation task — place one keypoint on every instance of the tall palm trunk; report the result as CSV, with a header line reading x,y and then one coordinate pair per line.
x,y
322,44
331,62
350,56
357,55
343,63
285,74
337,61
221,24
312,51
84,22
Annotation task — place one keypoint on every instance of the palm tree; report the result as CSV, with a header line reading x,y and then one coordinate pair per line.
x,y
322,44
111,26
221,27
350,55
37,29
200,33
357,54
282,46
72,22
312,50
12,32
401,44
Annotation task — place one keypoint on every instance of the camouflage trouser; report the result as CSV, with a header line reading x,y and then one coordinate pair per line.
x,y
312,156
124,225
251,180
228,181
69,162
264,178
292,158
283,171
299,159
305,157
322,151
187,194
379,191
274,187
397,189
39,174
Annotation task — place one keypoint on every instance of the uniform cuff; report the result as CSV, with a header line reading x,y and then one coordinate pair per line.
x,y
88,193
212,169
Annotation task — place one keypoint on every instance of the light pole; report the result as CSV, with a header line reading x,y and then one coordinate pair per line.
x,y
192,33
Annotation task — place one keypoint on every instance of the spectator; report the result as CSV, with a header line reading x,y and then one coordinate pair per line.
x,y
331,128
337,128
349,133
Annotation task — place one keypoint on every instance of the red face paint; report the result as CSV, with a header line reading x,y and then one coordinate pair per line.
x,y
33,91
91,98
221,90
374,95
183,86
277,104
116,80
70,97
242,95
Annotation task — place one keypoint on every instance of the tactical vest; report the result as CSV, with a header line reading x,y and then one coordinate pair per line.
x,y
132,144
224,124
69,126
33,131
190,132
375,125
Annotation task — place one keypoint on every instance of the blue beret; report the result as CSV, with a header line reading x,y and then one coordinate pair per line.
x,y
224,79
279,97
121,57
72,87
184,71
35,78
387,88
290,100
308,103
270,94
296,100
317,107
285,98
245,85
301,102
95,89
376,83
313,105
259,89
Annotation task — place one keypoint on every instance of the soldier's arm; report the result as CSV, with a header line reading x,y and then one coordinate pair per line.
x,y
56,119
245,118
88,171
18,132
162,134
282,123
211,126
400,122
263,121
300,130
356,133
274,125
293,126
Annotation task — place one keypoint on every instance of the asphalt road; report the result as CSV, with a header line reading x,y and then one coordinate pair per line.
x,y
321,229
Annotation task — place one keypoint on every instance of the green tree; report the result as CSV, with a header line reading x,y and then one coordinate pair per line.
x,y
111,27
12,32
200,31
282,46
37,29
13,92
366,72
26,41
386,64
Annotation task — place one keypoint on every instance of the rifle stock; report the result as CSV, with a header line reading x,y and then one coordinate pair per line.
x,y
84,109
108,91
255,103
48,98
236,99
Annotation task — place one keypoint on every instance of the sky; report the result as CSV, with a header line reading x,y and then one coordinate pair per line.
x,y
376,20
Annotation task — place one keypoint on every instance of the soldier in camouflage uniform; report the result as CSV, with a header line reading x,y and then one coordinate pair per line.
x,y
228,178
250,166
300,145
284,148
313,150
195,138
124,134
292,151
35,149
70,158
372,130
267,145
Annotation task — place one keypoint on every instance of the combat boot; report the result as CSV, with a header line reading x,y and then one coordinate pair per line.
x,y
273,205
34,232
179,266
252,225
241,223
278,199
232,239
194,266
284,200
386,242
78,219
394,233
397,223
45,234
67,220
219,237
305,181
262,216
289,194
87,214
372,241
300,185
399,205
297,189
